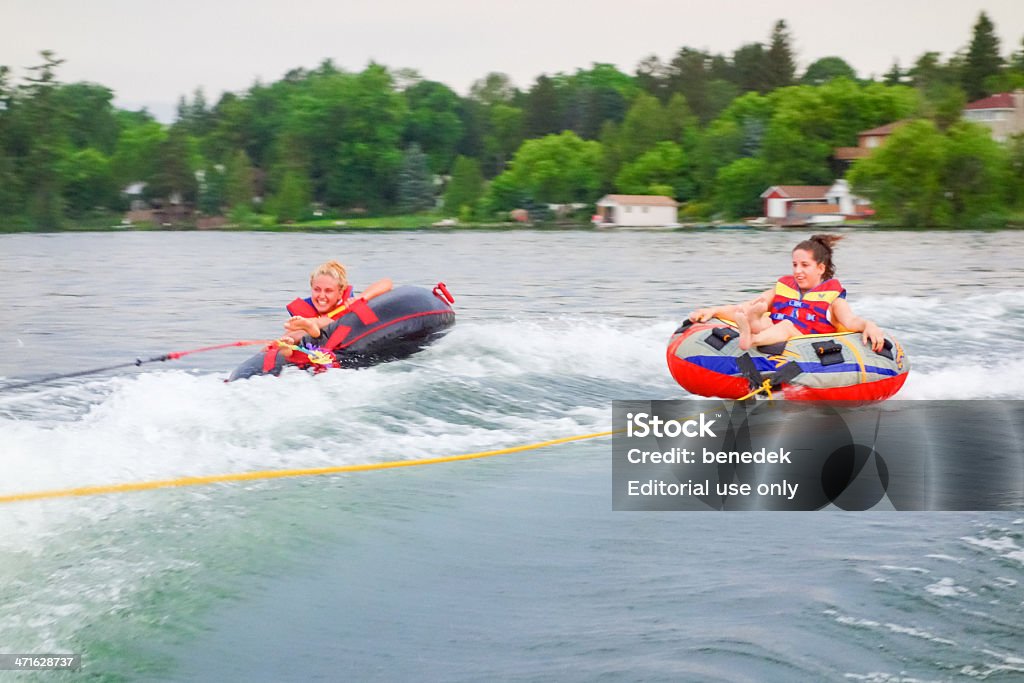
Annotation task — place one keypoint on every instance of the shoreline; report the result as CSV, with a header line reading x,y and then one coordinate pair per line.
x,y
498,227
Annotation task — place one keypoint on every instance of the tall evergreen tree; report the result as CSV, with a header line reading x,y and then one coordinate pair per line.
x,y
175,178
688,75
780,64
541,113
1017,60
466,186
10,194
750,68
651,77
983,59
239,189
894,76
928,71
415,182
45,126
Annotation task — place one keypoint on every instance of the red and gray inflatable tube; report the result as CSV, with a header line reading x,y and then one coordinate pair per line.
x,y
389,327
705,359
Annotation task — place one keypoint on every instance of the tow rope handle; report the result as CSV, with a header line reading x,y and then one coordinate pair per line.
x,y
314,354
441,292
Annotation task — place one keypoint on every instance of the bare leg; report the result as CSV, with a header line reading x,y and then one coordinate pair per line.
x,y
771,335
743,323
756,317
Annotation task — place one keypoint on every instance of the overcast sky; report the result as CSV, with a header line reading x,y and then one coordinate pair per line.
x,y
151,53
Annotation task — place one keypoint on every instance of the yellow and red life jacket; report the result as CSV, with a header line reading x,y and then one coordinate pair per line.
x,y
808,311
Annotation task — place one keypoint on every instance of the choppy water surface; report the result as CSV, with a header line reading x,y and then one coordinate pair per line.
x,y
509,568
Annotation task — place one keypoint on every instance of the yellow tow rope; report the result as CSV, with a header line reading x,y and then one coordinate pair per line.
x,y
765,388
280,474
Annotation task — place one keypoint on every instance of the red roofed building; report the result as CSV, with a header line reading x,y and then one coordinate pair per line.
x,y
788,202
1003,113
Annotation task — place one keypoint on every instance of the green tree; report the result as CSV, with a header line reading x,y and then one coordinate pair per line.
x,y
904,177
494,88
238,181
433,122
921,177
830,68
137,155
45,123
929,71
10,184
974,175
592,96
689,75
88,115
175,178
983,60
212,190
541,111
505,133
87,182
345,130
780,65
750,68
195,116
739,185
894,76
415,182
1015,69
1015,172
466,186
652,77
661,166
683,125
645,124
737,133
292,199
808,123
555,169
943,104
473,116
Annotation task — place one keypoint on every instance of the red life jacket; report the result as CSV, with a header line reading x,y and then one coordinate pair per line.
x,y
808,311
306,309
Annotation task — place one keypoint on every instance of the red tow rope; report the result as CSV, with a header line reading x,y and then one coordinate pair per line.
x,y
173,355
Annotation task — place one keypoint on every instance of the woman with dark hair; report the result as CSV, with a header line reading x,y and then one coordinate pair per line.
x,y
810,301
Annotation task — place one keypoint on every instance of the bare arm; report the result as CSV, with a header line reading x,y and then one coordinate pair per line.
x,y
872,333
297,326
377,288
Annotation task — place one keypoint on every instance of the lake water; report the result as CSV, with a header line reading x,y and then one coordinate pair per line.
x,y
509,568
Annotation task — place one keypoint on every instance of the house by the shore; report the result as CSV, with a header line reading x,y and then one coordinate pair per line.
x,y
814,204
636,210
867,142
1002,113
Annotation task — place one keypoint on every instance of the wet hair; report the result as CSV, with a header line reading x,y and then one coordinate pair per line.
x,y
331,269
821,247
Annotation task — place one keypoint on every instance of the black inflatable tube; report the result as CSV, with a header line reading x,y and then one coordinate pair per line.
x,y
408,318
